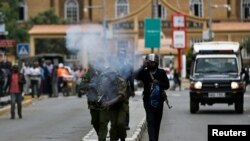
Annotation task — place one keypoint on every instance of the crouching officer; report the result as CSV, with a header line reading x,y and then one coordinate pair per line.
x,y
99,114
112,88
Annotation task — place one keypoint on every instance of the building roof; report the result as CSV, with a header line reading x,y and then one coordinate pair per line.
x,y
231,26
63,29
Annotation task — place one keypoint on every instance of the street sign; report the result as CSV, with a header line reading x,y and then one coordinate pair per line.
x,y
179,21
179,39
152,33
7,43
23,49
2,27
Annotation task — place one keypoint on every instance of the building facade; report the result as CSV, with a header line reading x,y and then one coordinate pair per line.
x,y
125,19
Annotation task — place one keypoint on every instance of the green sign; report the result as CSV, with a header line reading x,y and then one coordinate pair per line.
x,y
152,33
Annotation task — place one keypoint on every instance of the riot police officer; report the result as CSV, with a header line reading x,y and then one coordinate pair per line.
x,y
113,88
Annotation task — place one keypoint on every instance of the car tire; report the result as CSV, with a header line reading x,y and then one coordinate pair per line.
x,y
194,106
239,106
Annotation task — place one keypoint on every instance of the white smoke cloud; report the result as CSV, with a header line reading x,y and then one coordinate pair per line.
x,y
89,42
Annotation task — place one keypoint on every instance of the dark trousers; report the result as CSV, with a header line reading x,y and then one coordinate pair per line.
x,y
16,98
35,88
100,120
48,85
153,117
117,115
59,83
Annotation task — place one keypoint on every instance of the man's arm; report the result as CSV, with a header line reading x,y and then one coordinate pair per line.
x,y
122,86
164,83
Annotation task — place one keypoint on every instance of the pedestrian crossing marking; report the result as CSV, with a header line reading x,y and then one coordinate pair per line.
x,y
23,51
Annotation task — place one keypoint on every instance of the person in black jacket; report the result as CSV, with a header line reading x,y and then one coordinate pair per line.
x,y
150,74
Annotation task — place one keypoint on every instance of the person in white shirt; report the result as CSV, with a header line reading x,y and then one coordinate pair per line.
x,y
26,72
35,79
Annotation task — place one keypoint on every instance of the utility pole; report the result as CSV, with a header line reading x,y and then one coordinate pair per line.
x,y
104,22
154,14
210,22
210,34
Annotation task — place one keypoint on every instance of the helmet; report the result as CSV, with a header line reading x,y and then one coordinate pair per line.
x,y
152,57
60,65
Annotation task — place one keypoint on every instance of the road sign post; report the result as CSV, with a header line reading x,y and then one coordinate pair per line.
x,y
23,50
179,35
152,33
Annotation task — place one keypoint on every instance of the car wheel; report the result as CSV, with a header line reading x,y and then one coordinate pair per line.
x,y
194,106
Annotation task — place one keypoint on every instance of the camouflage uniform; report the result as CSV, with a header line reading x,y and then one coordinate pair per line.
x,y
112,86
99,118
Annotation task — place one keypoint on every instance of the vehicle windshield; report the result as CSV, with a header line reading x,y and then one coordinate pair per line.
x,y
216,65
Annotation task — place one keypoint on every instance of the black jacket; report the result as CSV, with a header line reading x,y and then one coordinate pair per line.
x,y
144,75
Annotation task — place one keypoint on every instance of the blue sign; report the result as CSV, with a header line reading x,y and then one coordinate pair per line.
x,y
23,49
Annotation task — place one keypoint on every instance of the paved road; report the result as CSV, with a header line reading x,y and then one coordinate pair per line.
x,y
54,119
179,125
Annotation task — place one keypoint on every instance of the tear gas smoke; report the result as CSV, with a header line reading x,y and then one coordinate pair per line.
x,y
100,55
90,43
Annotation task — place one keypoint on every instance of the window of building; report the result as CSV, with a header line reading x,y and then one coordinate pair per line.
x,y
162,12
71,11
122,8
22,10
197,7
245,9
122,47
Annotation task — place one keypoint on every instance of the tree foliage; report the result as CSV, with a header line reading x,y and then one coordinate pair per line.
x,y
16,31
46,17
189,55
246,44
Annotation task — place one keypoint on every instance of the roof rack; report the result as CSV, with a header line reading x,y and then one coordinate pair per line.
x,y
216,47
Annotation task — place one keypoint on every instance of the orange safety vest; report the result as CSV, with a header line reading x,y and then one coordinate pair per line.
x,y
62,71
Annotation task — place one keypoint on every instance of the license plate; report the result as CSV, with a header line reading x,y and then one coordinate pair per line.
x,y
215,95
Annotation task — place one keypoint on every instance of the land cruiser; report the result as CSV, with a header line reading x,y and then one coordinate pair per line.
x,y
216,75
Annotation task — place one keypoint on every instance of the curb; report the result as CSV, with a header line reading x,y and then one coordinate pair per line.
x,y
137,135
138,131
6,109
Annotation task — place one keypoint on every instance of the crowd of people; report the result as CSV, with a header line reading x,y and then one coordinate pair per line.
x,y
35,79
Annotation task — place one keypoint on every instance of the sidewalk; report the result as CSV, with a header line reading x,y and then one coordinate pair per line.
x,y
137,121
26,101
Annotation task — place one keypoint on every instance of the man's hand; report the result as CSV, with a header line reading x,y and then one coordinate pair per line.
x,y
155,81
145,64
106,103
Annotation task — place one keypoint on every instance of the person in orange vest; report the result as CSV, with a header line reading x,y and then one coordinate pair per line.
x,y
61,71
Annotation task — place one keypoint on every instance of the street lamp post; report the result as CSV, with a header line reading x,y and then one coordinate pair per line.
x,y
210,15
104,20
155,15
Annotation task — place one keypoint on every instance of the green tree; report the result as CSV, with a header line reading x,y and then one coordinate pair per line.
x,y
16,31
46,17
246,44
189,55
49,45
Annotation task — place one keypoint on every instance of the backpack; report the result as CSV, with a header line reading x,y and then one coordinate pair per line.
x,y
155,95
